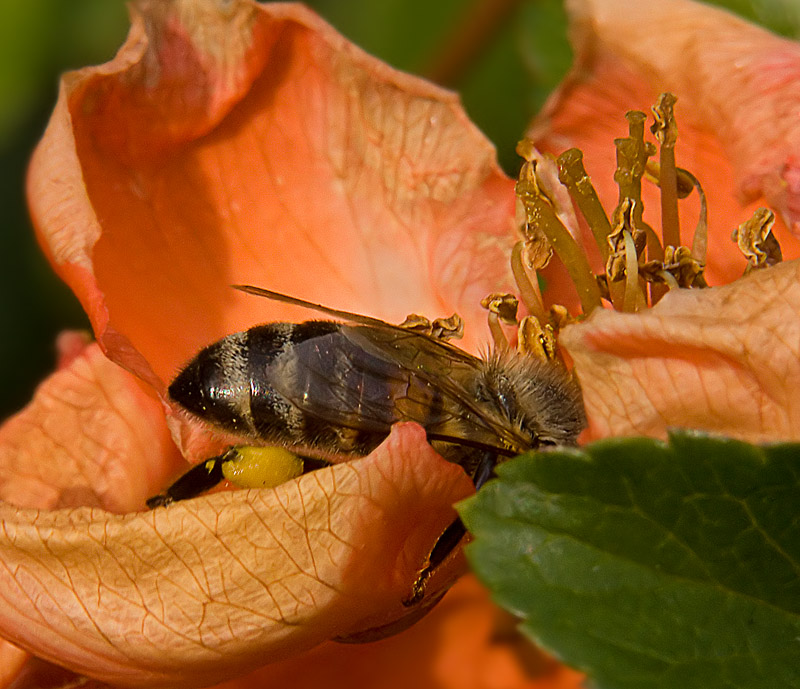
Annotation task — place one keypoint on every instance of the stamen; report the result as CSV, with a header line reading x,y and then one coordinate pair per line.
x,y
501,307
668,279
686,182
638,263
535,340
623,253
572,175
448,328
417,323
634,299
528,290
756,241
541,217
503,304
440,328
632,156
498,336
687,269
666,132
700,240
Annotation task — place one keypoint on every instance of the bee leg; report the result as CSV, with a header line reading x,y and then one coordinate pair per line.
x,y
197,480
244,466
445,544
451,536
313,463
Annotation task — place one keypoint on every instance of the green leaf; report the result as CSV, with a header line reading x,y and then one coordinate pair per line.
x,y
650,564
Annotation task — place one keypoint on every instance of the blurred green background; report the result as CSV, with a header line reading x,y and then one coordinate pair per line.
x,y
504,56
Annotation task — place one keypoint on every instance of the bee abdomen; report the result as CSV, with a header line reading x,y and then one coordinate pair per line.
x,y
263,384
215,385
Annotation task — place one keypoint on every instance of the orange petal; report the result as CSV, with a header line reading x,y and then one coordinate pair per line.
x,y
725,360
91,435
206,588
254,144
12,661
464,643
738,93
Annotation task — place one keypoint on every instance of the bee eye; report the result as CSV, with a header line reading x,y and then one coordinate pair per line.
x,y
505,403
482,394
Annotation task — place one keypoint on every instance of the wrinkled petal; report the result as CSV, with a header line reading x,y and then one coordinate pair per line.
x,y
725,359
738,94
256,145
92,435
209,587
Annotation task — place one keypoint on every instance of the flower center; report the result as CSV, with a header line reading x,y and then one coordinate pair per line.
x,y
639,265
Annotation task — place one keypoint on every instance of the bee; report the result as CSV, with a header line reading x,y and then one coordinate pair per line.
x,y
331,391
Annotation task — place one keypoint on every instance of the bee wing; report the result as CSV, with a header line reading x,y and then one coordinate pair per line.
x,y
453,372
370,377
286,299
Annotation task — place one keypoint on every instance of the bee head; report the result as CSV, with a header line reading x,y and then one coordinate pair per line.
x,y
537,397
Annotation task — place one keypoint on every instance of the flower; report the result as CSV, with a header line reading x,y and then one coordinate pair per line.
x,y
726,360
244,143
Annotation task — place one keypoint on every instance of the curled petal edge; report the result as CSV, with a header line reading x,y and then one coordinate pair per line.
x,y
229,581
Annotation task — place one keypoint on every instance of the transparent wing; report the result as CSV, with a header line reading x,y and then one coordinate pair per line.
x,y
453,371
371,377
286,299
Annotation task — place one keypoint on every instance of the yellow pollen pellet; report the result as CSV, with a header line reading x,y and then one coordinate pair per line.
x,y
262,467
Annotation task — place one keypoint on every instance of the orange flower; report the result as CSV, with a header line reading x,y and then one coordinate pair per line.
x,y
253,144
246,145
723,360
